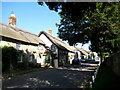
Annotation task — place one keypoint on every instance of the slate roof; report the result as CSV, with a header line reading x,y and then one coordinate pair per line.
x,y
19,34
59,43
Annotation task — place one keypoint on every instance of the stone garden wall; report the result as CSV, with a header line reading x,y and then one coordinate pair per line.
x,y
114,63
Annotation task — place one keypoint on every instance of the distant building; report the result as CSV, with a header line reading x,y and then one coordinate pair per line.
x,y
84,53
79,53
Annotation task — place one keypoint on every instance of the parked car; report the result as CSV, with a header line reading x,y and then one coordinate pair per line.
x,y
84,60
76,61
90,60
93,61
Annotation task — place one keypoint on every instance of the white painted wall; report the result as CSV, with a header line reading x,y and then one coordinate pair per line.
x,y
79,54
45,40
30,49
43,61
49,44
71,56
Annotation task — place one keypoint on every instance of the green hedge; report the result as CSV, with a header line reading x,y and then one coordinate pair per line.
x,y
10,58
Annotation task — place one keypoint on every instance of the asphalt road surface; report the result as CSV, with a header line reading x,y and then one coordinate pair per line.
x,y
72,76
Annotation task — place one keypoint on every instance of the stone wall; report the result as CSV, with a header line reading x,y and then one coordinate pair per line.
x,y
114,63
29,50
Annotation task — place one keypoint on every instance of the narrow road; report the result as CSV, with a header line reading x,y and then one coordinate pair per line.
x,y
63,77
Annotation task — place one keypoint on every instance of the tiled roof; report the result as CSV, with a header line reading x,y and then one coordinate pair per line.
x,y
19,34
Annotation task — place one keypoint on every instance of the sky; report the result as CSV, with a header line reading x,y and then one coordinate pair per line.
x,y
33,17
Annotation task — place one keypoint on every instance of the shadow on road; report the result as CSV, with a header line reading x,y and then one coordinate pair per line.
x,y
70,77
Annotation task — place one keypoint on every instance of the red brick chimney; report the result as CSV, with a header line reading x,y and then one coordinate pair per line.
x,y
12,19
58,36
50,31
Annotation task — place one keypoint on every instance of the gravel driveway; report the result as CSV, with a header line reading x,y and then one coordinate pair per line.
x,y
63,77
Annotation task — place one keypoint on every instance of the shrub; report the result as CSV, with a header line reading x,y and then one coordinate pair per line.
x,y
9,58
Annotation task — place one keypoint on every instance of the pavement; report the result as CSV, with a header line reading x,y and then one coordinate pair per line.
x,y
71,76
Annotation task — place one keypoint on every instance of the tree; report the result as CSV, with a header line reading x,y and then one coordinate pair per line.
x,y
94,22
104,25
72,22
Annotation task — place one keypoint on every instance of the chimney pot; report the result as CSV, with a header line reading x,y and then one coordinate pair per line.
x,y
50,31
12,19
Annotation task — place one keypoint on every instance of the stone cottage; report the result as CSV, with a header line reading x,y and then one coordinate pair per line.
x,y
59,50
22,40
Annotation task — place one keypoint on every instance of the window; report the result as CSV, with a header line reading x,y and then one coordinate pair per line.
x,y
18,46
53,48
31,58
20,58
40,47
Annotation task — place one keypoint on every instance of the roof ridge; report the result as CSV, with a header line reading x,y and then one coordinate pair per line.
x,y
55,37
17,28
25,31
21,34
57,41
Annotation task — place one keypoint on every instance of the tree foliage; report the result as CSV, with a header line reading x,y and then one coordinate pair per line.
x,y
104,28
95,22
72,22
